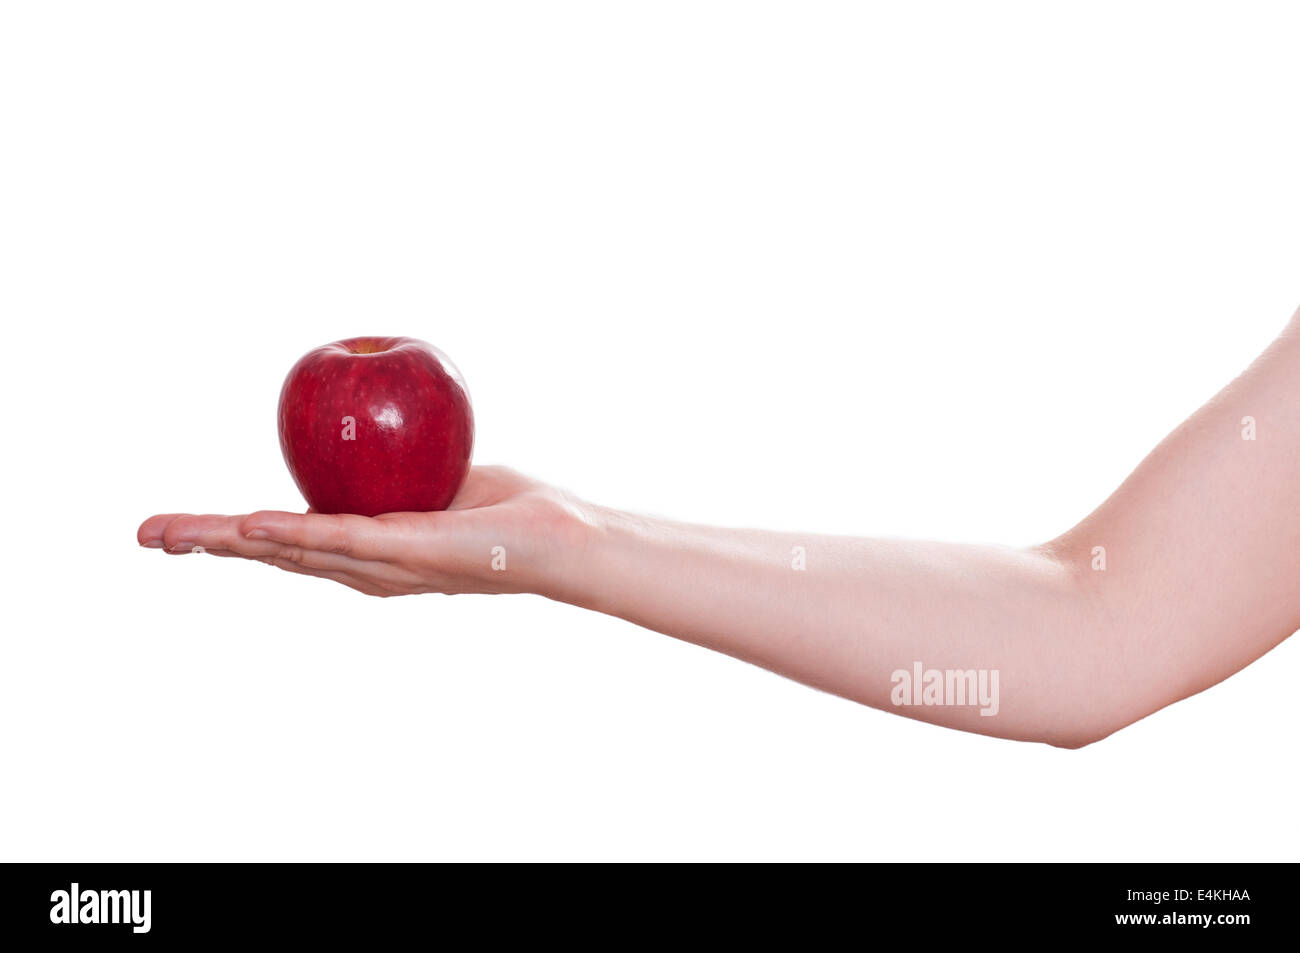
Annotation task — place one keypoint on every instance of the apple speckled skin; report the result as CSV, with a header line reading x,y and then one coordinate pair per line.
x,y
375,425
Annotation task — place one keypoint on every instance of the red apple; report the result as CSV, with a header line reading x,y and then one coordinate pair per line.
x,y
376,425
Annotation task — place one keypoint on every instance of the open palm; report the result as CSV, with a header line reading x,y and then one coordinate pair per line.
x,y
497,535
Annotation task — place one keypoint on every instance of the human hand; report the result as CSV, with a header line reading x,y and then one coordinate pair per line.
x,y
504,532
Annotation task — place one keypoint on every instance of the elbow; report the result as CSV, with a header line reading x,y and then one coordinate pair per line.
x,y
1078,738
1094,689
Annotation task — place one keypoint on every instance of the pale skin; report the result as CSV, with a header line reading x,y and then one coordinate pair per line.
x,y
1201,546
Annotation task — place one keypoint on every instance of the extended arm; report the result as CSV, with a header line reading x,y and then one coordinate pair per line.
x,y
1189,572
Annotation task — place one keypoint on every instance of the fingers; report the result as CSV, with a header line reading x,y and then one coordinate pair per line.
x,y
150,533
380,556
358,537
185,533
179,532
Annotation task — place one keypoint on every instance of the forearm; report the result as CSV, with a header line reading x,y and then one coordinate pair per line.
x,y
845,614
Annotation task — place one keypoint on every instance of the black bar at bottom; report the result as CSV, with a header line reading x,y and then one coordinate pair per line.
x,y
389,904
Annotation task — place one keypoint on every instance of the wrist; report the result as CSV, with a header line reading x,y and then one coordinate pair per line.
x,y
580,549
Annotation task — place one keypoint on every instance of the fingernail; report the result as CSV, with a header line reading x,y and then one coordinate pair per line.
x,y
257,534
152,544
178,548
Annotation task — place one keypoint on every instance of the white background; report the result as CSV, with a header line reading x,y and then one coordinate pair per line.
x,y
929,269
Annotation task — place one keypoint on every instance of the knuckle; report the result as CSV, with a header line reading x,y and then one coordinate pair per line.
x,y
337,540
253,519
